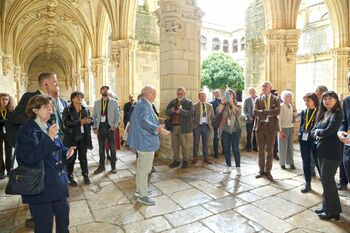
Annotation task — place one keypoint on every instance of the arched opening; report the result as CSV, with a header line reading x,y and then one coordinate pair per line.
x,y
216,44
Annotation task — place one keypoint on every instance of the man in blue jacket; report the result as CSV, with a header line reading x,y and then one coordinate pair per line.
x,y
143,136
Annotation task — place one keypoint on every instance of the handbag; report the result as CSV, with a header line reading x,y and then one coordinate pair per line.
x,y
25,180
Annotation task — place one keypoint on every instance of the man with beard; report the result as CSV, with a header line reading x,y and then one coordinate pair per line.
x,y
106,118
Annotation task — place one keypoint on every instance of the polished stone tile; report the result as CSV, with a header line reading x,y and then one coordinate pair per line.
x,y
249,197
7,219
266,220
235,186
266,191
119,215
107,196
79,213
308,220
156,224
171,186
163,205
190,228
279,207
189,197
304,199
8,202
229,221
98,227
183,217
209,189
224,204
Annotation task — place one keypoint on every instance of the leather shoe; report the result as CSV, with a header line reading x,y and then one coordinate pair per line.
x,y
194,161
319,211
269,176
283,167
341,186
113,171
292,167
99,170
184,164
325,216
72,182
207,161
174,164
276,157
306,188
259,175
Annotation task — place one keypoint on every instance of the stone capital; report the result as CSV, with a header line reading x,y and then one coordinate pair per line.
x,y
344,51
118,45
7,64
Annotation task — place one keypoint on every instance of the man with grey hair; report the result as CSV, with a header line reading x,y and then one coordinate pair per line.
x,y
248,110
143,136
180,111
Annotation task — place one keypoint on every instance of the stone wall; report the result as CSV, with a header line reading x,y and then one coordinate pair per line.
x,y
255,48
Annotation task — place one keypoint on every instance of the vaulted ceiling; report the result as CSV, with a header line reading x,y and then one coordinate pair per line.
x,y
69,32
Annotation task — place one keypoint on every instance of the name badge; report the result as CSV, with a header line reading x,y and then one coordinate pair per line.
x,y
82,128
228,122
4,129
305,136
103,118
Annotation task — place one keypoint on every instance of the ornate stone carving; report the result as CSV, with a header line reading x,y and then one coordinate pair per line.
x,y
17,73
7,64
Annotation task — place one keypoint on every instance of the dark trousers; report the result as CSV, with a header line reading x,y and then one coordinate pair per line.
x,y
201,131
43,215
250,143
103,135
216,143
331,202
306,155
231,140
265,139
346,164
81,150
343,180
4,144
275,148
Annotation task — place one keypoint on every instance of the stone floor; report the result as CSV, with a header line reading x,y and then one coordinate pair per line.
x,y
198,199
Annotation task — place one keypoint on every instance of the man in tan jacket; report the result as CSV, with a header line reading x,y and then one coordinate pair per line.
x,y
202,125
266,126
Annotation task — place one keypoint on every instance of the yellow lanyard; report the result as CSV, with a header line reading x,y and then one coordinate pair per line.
x,y
104,104
3,114
307,121
80,112
267,103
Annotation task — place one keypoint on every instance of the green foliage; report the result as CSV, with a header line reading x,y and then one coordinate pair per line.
x,y
220,70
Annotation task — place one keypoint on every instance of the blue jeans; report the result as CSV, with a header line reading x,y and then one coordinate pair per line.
x,y
229,140
306,155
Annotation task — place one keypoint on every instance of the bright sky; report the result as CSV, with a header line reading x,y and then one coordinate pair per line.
x,y
223,12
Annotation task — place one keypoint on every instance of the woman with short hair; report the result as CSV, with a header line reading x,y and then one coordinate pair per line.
x,y
37,143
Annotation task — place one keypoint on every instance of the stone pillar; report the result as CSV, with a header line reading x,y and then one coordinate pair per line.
x,y
7,64
124,59
280,58
341,64
180,25
76,82
87,88
1,59
24,83
99,68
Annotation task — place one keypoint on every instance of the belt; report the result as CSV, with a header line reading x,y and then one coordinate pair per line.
x,y
264,123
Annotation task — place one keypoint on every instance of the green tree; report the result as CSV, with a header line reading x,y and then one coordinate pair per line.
x,y
220,70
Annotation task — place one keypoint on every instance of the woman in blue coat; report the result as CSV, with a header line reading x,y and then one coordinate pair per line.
x,y
37,142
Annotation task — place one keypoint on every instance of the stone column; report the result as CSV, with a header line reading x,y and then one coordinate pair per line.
x,y
98,68
341,64
1,59
124,59
87,88
76,82
180,25
7,64
280,58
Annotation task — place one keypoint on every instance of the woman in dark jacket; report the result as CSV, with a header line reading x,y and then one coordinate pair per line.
x,y
328,152
77,121
306,142
37,143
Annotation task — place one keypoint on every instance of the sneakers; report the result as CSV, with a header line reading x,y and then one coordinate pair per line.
x,y
227,170
99,170
146,200
238,172
174,164
137,193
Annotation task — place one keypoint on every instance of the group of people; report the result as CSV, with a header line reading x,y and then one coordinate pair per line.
x,y
56,133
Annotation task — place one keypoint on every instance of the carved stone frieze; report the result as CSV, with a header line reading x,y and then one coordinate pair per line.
x,y
7,64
